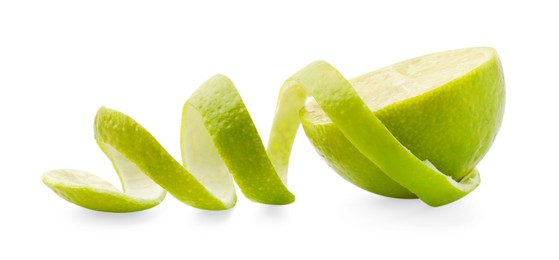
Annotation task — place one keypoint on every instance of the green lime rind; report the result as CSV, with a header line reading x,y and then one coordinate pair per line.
x,y
344,107
139,146
226,121
115,131
233,133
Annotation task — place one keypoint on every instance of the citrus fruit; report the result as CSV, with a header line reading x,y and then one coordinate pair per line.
x,y
414,129
446,108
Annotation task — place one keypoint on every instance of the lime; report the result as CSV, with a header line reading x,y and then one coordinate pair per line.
x,y
414,129
446,108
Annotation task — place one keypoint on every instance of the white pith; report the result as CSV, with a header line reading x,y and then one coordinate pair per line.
x,y
202,160
409,79
134,182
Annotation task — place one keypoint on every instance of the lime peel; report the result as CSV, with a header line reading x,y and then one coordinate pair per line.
x,y
220,144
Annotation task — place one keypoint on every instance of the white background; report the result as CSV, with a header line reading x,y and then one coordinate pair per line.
x,y
61,60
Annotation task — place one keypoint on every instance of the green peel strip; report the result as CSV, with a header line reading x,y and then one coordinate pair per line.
x,y
220,146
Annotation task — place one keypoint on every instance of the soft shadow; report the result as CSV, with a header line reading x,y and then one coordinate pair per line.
x,y
414,211
93,217
211,217
273,212
459,213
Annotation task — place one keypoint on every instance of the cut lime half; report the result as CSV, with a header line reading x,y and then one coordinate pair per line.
x,y
446,108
